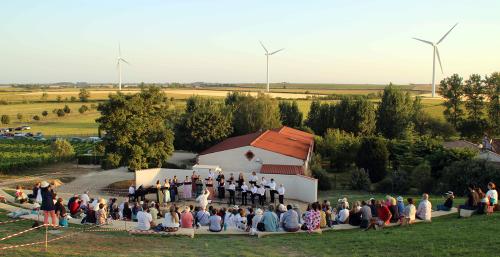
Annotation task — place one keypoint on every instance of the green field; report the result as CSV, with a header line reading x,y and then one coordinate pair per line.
x,y
445,236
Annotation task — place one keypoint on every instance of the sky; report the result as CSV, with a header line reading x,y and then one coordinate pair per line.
x,y
330,41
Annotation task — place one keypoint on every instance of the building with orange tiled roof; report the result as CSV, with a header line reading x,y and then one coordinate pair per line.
x,y
285,151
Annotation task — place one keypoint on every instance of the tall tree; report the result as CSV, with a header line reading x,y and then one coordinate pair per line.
x,y
373,157
394,113
84,95
474,91
493,91
251,114
452,90
137,134
205,122
355,115
290,114
313,116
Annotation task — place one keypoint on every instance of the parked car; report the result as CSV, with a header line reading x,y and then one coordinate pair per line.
x,y
25,127
94,139
76,140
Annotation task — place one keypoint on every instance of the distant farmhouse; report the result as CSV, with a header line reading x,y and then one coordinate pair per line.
x,y
492,155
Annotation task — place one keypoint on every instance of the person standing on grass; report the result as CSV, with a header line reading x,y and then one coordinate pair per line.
x,y
203,199
131,193
424,208
48,204
492,195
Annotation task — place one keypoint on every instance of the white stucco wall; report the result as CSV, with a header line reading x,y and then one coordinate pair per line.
x,y
235,160
300,188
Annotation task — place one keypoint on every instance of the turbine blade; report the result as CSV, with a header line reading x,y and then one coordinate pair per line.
x,y
265,49
425,41
123,60
446,34
277,51
118,64
439,59
119,50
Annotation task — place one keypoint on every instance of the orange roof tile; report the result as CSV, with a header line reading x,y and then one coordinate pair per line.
x,y
282,169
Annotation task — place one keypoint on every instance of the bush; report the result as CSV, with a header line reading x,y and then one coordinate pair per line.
x,y
62,149
360,180
60,113
5,119
458,175
66,109
111,161
19,116
324,181
45,113
83,109
421,178
73,99
385,186
36,117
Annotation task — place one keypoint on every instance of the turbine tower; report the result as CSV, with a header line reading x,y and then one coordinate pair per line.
x,y
267,63
119,67
435,52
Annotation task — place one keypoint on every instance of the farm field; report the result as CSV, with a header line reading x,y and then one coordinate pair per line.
x,y
84,124
445,236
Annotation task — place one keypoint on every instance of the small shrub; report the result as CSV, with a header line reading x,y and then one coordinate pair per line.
x,y
45,113
36,117
5,119
60,113
324,181
360,180
62,149
66,109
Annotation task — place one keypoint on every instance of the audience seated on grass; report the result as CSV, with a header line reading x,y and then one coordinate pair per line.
x,y
187,219
270,220
171,220
21,197
290,220
409,213
366,215
215,222
472,201
312,218
355,214
144,219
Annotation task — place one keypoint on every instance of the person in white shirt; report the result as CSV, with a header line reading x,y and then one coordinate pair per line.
x,y
171,220
281,194
262,195
244,189
229,218
492,194
272,189
144,220
263,183
203,199
424,208
85,198
342,216
253,194
131,193
253,179
232,192
409,213
210,175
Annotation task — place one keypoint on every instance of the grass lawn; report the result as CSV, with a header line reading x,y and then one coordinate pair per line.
x,y
445,236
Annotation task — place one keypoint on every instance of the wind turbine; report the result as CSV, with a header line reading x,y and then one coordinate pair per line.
x,y
436,52
119,67
267,62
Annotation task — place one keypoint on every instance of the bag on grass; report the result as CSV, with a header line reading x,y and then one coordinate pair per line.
x,y
261,226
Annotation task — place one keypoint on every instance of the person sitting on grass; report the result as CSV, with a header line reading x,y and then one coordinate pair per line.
x,y
312,218
424,208
373,206
401,205
187,218
101,215
409,212
472,201
202,217
448,203
144,219
214,221
154,212
355,214
21,197
383,218
61,212
366,215
391,203
343,215
256,220
483,203
171,220
74,208
270,220
290,220
241,219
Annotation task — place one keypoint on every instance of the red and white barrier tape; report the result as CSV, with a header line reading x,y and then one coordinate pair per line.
x,y
21,245
20,233
10,221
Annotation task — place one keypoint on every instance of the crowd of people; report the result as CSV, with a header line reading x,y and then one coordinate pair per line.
x,y
171,215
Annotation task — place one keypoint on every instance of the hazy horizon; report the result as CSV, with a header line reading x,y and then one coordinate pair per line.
x,y
326,42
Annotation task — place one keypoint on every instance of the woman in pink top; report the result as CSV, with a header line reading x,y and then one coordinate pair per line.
x,y
187,218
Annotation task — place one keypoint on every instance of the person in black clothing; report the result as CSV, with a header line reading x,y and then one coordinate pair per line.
x,y
448,203
232,193
127,212
221,188
472,201
373,207
48,204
